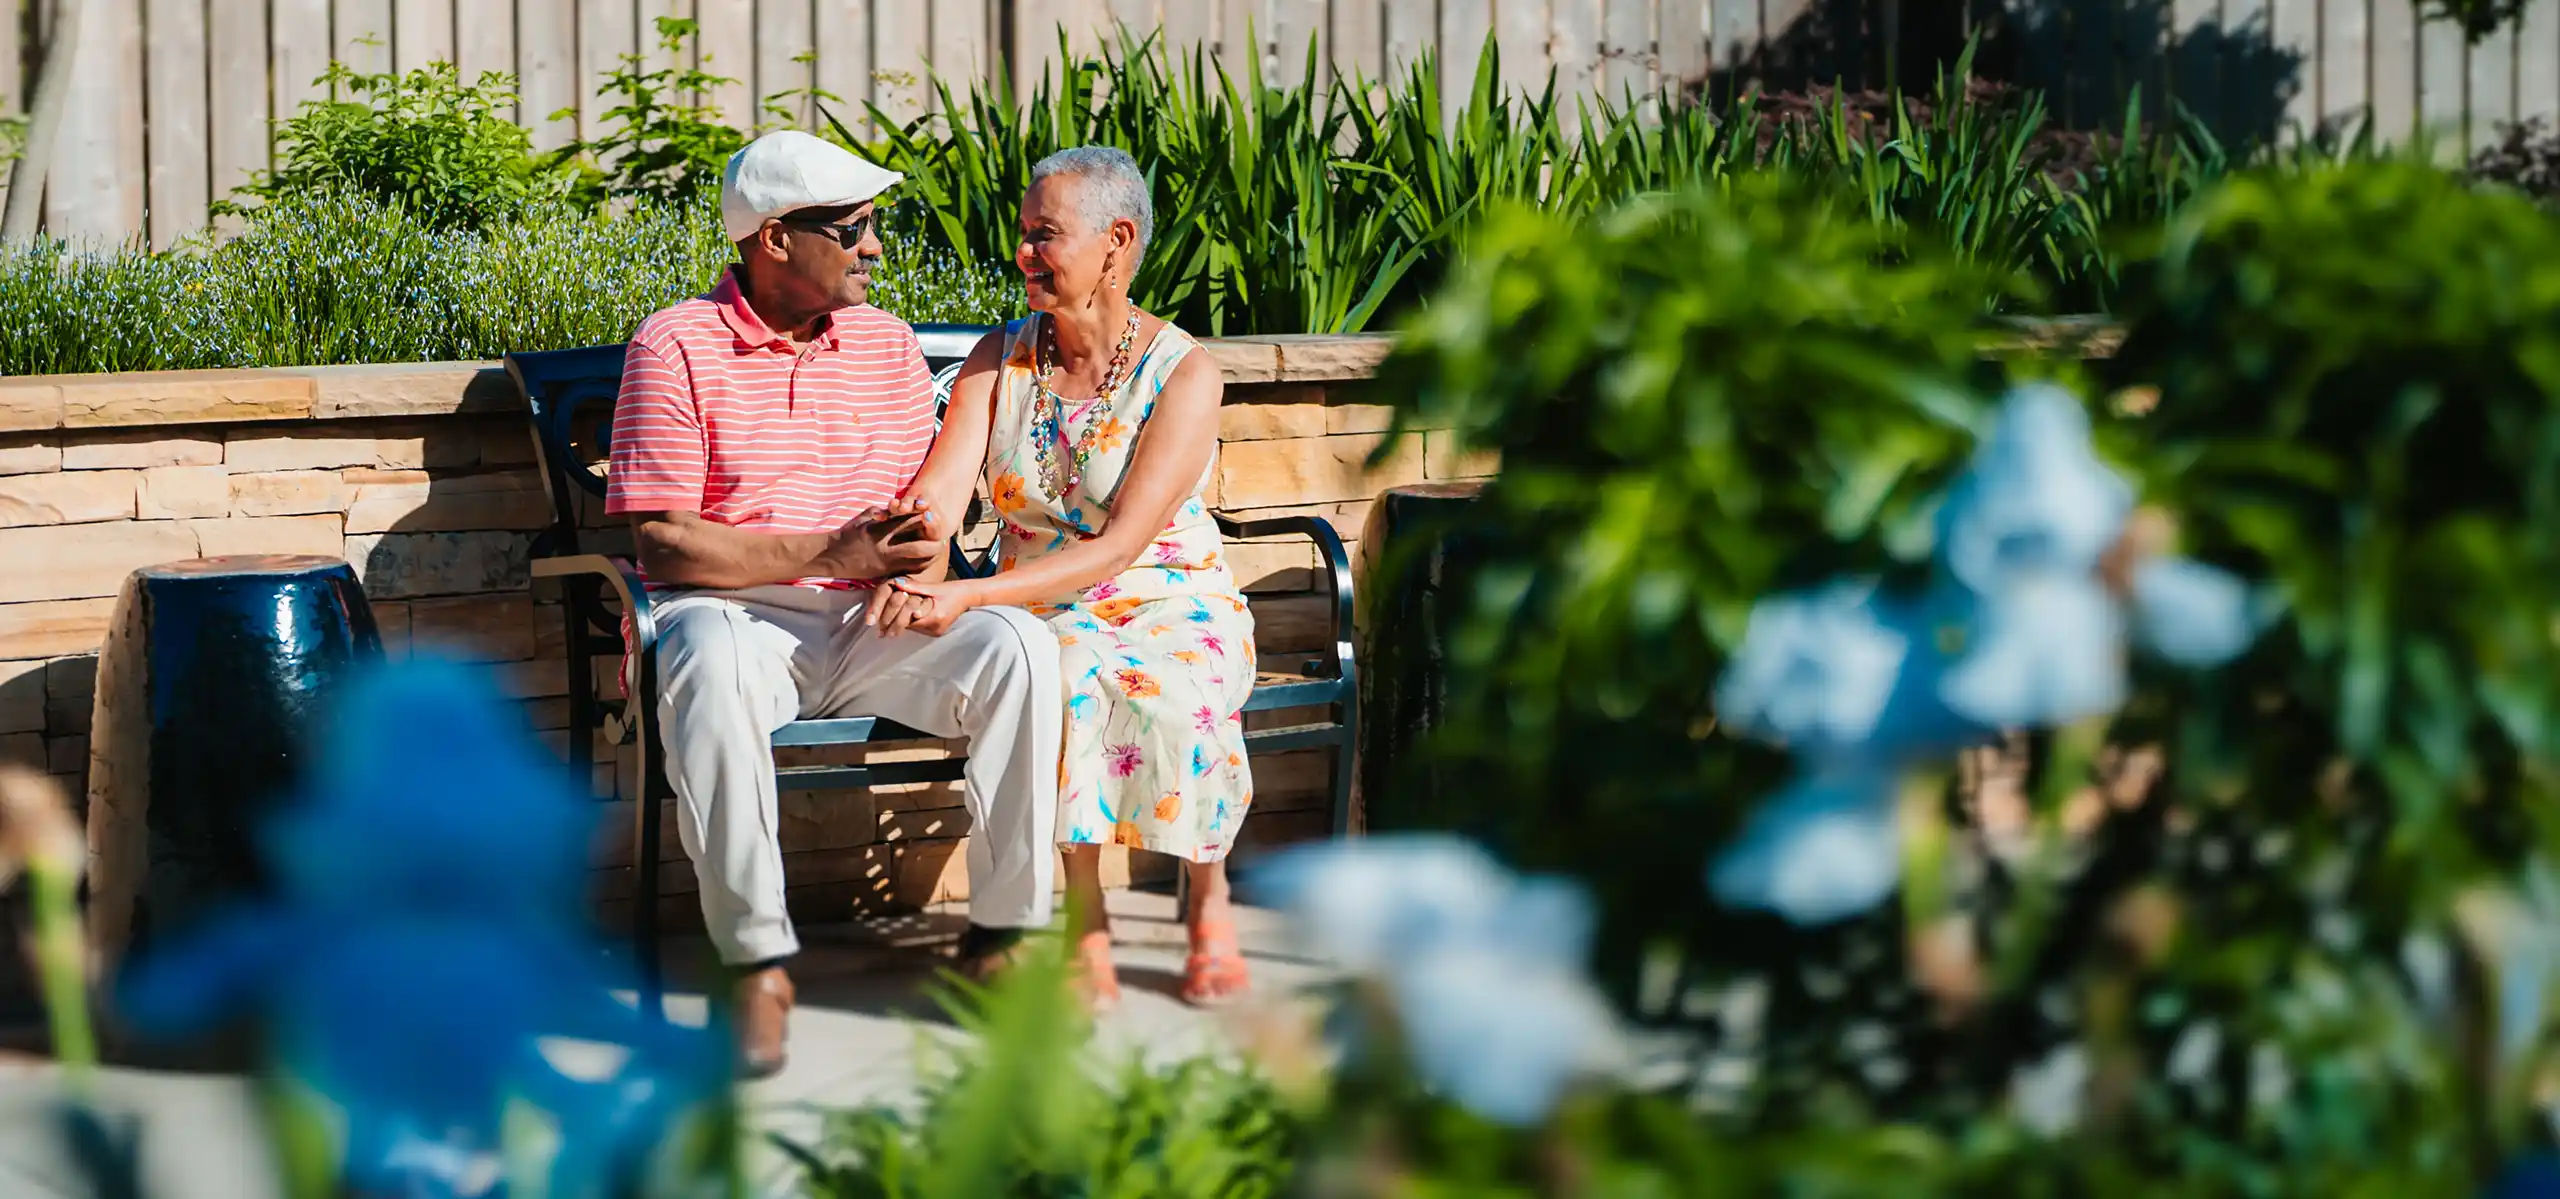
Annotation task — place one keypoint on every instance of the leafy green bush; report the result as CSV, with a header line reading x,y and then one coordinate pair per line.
x,y
315,279
2284,926
662,146
1295,210
447,151
1258,229
1715,396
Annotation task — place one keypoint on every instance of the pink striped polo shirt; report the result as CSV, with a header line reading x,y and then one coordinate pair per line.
x,y
720,415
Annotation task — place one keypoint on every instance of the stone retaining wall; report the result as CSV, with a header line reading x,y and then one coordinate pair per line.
x,y
422,476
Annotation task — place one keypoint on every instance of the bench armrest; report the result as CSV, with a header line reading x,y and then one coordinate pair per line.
x,y
1335,567
640,623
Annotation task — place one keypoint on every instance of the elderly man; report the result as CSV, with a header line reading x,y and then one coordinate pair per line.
x,y
762,441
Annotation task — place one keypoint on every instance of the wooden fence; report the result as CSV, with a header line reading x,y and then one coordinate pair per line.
x,y
174,98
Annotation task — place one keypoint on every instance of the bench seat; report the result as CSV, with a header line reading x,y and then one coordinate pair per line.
x,y
569,396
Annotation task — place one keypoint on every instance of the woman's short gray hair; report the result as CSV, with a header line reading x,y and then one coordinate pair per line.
x,y
1114,189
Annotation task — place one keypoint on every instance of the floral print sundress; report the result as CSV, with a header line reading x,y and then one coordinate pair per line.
x,y
1159,660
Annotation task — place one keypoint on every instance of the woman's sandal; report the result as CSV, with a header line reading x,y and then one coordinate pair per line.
x,y
1097,980
1215,974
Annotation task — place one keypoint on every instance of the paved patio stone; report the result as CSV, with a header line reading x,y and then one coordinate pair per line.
x,y
865,1012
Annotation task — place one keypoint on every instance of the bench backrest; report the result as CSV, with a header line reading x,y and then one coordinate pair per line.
x,y
570,394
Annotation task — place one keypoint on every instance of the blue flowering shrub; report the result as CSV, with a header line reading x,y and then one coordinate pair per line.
x,y
409,220
425,932
2022,778
322,278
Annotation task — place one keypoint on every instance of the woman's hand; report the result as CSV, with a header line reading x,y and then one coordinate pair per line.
x,y
927,606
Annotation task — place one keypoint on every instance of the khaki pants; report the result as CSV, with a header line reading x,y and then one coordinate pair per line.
x,y
736,665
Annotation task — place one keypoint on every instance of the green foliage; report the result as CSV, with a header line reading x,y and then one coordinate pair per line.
x,y
2303,954
2377,431
1022,1110
2478,18
1296,210
316,279
1665,463
663,146
1258,229
2374,434
448,151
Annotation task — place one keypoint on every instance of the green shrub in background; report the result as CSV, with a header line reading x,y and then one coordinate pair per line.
x,y
408,220
1258,226
448,151
661,145
1336,209
1279,209
316,279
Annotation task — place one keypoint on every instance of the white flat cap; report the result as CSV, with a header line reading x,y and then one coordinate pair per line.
x,y
787,170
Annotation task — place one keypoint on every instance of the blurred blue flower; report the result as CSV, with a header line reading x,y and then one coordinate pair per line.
x,y
2021,631
1485,968
2023,529
1370,903
2035,499
2192,614
1503,1040
1825,848
427,793
2049,649
1847,672
1814,669
426,931
613,1126
399,1019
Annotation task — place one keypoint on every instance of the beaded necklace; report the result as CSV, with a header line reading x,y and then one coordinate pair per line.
x,y
1062,459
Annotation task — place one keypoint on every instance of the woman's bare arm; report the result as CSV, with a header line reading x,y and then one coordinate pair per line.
x,y
951,471
1173,449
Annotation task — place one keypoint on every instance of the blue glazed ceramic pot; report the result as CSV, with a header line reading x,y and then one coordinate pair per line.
x,y
212,674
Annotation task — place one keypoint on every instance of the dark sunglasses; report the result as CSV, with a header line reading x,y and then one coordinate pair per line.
x,y
847,235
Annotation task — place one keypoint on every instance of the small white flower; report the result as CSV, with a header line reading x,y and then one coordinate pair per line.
x,y
1825,848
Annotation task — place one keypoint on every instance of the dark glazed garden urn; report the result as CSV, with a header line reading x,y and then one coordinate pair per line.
x,y
210,678
1415,563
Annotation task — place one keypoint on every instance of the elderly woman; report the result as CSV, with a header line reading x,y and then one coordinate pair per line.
x,y
1094,424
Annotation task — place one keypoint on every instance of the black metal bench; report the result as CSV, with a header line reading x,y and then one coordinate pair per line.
x,y
570,395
